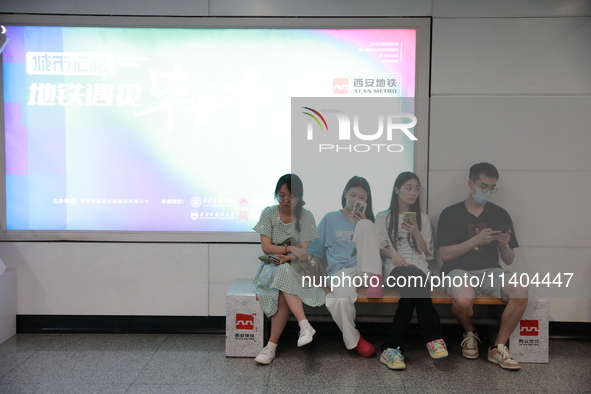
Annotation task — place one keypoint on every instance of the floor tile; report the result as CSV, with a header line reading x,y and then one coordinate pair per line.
x,y
221,388
136,364
79,367
327,389
205,367
563,374
57,388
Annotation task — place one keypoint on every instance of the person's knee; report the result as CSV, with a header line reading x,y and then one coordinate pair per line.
x,y
521,292
364,223
462,292
518,292
463,301
365,226
337,303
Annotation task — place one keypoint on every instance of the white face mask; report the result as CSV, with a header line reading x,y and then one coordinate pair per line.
x,y
481,196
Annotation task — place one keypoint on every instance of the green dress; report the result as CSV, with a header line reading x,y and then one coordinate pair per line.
x,y
271,278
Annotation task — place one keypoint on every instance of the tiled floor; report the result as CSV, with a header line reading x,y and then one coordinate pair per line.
x,y
130,363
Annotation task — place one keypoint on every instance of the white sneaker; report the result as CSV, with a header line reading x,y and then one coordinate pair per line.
x,y
500,355
306,335
470,345
265,356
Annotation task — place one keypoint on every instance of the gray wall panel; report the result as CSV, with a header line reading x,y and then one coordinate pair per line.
x,y
514,8
324,8
108,7
515,56
532,133
79,278
226,264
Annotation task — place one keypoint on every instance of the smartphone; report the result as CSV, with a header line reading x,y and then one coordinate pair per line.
x,y
359,206
273,258
409,216
504,228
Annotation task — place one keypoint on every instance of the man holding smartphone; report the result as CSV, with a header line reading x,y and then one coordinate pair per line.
x,y
471,236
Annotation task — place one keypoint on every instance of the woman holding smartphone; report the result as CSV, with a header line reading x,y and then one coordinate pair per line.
x,y
410,245
349,243
286,230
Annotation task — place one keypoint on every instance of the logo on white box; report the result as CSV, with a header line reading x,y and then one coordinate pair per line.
x,y
244,322
529,328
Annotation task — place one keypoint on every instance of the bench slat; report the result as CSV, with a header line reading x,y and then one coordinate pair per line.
x,y
438,296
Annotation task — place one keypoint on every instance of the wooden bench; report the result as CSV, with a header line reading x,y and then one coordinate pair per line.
x,y
241,301
438,296
368,310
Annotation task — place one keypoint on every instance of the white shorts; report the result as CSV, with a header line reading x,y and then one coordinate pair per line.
x,y
490,281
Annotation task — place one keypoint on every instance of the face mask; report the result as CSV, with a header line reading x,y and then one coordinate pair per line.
x,y
482,196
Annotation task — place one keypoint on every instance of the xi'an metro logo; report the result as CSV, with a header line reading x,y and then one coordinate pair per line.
x,y
244,321
389,123
529,328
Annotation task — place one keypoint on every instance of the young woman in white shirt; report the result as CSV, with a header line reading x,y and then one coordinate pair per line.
x,y
410,245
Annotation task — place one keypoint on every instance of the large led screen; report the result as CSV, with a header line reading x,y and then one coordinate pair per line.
x,y
173,129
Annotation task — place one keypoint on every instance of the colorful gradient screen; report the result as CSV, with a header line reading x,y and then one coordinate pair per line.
x,y
140,129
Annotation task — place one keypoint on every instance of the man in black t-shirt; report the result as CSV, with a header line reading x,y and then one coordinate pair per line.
x,y
471,235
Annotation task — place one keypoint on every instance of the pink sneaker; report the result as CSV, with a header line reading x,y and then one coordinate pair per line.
x,y
437,349
376,291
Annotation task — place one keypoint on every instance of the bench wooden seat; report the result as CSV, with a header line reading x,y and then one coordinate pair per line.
x,y
438,296
241,302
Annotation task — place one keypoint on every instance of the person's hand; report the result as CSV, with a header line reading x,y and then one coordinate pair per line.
x,y
397,259
357,216
486,236
411,226
282,259
298,252
504,239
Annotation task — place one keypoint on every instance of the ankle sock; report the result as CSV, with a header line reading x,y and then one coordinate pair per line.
x,y
271,345
304,323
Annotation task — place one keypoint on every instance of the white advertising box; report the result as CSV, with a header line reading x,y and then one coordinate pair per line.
x,y
244,321
529,342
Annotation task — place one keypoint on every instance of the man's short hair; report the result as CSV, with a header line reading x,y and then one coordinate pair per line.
x,y
485,169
